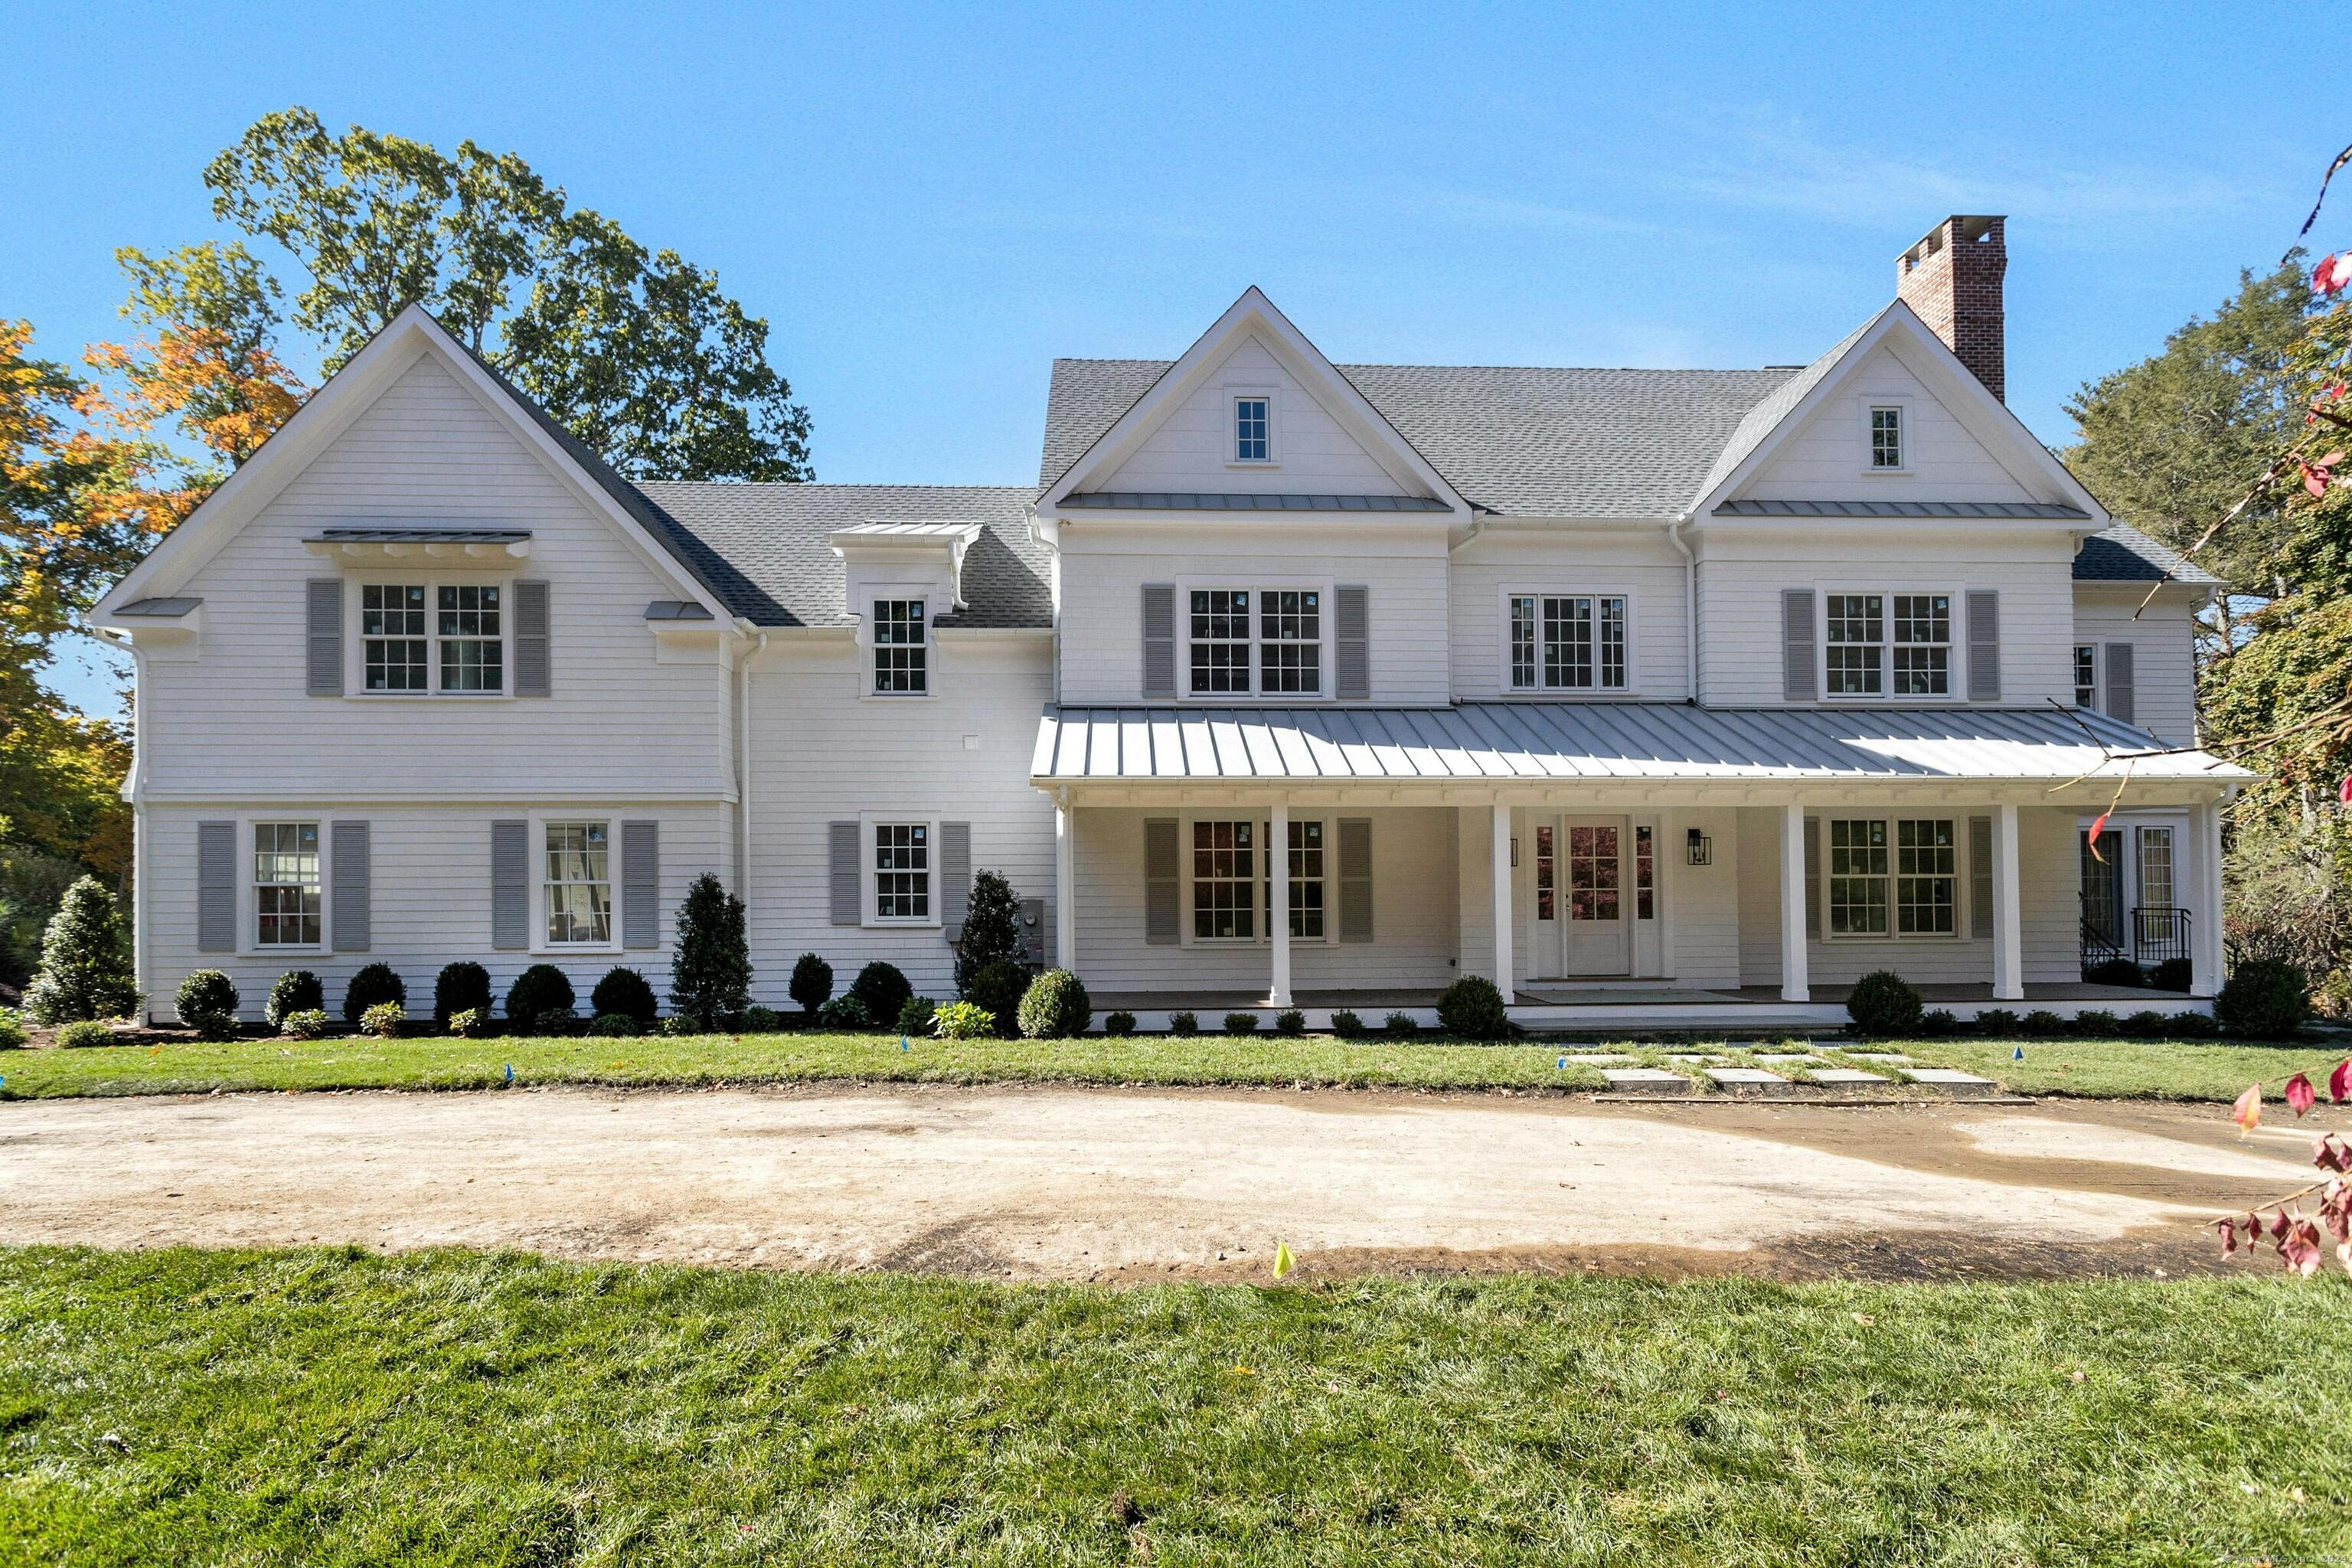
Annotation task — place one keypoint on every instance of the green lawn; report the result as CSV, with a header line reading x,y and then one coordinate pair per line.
x,y
334,1407
2103,1068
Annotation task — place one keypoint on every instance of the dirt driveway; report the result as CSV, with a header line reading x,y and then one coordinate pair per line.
x,y
1132,1184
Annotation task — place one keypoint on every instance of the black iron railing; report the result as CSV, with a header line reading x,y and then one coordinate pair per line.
x,y
2149,935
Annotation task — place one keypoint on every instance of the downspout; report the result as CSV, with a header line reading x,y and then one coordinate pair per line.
x,y
135,790
1690,600
743,770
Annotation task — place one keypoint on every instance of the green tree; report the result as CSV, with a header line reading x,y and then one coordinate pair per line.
x,y
710,970
636,352
992,930
2170,443
85,961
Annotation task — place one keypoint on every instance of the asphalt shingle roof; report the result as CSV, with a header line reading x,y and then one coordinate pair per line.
x,y
2124,555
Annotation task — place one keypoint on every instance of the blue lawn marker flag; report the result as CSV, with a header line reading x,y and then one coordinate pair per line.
x,y
1563,1064
2018,1054
510,1072
902,1042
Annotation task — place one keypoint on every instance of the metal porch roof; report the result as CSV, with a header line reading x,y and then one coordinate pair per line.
x,y
1537,741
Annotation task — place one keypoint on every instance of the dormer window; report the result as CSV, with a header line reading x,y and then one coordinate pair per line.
x,y
1252,429
1886,437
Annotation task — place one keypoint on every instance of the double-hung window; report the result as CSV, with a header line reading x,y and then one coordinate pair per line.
x,y
1882,644
1267,640
1893,879
472,651
392,646
1252,429
902,871
286,884
900,649
423,638
579,882
2087,675
1233,880
1566,642
1305,880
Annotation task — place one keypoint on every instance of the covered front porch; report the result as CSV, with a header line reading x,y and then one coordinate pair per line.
x,y
1606,865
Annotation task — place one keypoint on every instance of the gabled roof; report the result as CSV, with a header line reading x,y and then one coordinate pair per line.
x,y
1765,417
2124,555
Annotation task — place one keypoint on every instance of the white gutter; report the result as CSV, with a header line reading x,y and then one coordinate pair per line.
x,y
1690,599
134,791
744,772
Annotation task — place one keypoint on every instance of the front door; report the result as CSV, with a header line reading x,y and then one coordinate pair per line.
x,y
2103,895
1597,935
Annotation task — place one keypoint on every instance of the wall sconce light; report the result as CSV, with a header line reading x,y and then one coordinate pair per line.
x,y
1515,849
1699,848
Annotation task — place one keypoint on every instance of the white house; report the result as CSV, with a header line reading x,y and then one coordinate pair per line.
x,y
1654,695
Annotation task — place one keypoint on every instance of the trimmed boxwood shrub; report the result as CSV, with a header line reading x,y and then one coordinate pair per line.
x,y
915,1017
846,1012
1056,1008
374,985
542,988
882,990
617,1025
1346,1024
2195,1025
559,1022
295,991
2172,974
1400,1025
1290,1021
2097,1024
998,988
2041,1021
2147,1024
460,987
2263,999
626,992
1472,1008
207,1003
1183,1023
1940,1024
812,985
761,1020
2116,971
82,1033
1241,1023
1884,1003
1999,1023
1119,1024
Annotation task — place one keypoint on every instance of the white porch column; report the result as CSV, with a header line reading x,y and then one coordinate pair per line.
x,y
1066,878
1796,984
2205,918
2008,936
1503,954
1277,913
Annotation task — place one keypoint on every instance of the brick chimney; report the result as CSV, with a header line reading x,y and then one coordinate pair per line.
x,y
1952,279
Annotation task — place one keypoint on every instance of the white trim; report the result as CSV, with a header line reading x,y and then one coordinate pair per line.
x,y
1540,588
868,650
1234,392
1256,585
355,640
1901,404
536,847
1954,642
866,895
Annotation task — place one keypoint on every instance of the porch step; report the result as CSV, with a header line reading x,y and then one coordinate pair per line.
x,y
1751,1081
1952,1081
1847,1077
1644,1080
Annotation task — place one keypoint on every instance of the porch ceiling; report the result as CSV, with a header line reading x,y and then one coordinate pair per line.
x,y
1506,743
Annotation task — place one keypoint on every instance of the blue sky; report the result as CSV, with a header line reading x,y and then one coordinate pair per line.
x,y
927,203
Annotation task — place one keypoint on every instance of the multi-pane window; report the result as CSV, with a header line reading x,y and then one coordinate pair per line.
x,y
1645,873
1857,626
1568,642
472,650
1290,641
902,871
286,884
1546,877
1926,878
1886,437
899,649
1593,874
2154,884
1253,439
1894,880
1305,880
1221,639
579,883
1225,881
1923,645
2087,675
392,636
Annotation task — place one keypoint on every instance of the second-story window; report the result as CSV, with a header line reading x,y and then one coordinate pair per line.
x,y
1263,640
1886,437
899,649
1221,639
1888,644
472,651
433,638
392,636
1568,642
1252,431
1290,641
1923,645
2087,675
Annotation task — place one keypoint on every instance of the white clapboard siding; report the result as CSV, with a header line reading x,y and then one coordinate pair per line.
x,y
1192,448
429,895
1741,575
2049,909
1828,456
822,753
1570,558
1412,934
2164,660
427,452
1103,571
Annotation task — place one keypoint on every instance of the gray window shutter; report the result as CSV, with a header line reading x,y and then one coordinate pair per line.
x,y
1162,908
955,877
2120,703
1354,878
323,659
1351,619
216,886
1984,645
348,900
1799,679
533,660
1980,877
841,839
641,884
1812,876
1159,639
509,884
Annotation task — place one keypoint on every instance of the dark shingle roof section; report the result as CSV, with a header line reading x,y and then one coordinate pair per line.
x,y
1527,442
2124,555
762,546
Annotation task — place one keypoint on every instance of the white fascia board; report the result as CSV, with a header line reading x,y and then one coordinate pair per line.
x,y
1253,313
